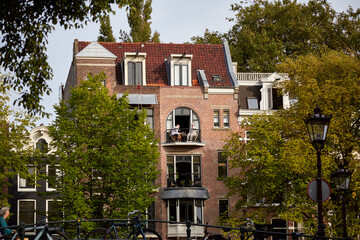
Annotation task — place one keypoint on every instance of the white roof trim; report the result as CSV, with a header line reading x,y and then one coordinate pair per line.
x,y
95,50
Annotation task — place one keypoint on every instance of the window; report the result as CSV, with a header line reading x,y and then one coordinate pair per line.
x,y
223,209
222,166
54,176
179,67
279,225
42,145
26,211
183,171
181,75
27,183
185,117
52,210
216,118
181,210
150,117
134,68
134,73
275,99
226,118
252,103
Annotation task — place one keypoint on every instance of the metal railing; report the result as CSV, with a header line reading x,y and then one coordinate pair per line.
x,y
195,137
184,180
230,233
244,76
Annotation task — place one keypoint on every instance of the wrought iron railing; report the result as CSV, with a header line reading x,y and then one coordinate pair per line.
x,y
187,135
184,180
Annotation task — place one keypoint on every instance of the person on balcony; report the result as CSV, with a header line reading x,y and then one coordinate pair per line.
x,y
175,133
192,135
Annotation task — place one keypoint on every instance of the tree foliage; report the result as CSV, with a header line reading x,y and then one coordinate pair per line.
x,y
266,32
139,15
209,38
106,33
25,26
14,154
107,154
278,162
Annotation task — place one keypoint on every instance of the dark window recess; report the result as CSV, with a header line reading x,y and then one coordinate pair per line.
x,y
216,77
224,208
277,99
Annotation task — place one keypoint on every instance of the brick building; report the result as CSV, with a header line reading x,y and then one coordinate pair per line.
x,y
190,85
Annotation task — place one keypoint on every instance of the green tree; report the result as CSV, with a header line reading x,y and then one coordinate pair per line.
x,y
107,154
279,161
106,33
139,15
14,152
209,38
267,32
25,26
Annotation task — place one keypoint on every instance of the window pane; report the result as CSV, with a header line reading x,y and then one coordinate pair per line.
x,y
28,183
253,103
172,210
131,73
216,118
177,75
223,208
184,75
222,165
138,73
27,212
150,118
226,118
199,211
186,210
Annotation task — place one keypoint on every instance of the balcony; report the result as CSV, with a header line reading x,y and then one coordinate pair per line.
x,y
184,180
244,76
187,139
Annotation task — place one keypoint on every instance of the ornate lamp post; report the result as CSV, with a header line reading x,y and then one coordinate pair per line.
x,y
342,180
317,126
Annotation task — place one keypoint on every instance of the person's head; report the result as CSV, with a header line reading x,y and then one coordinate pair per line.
x,y
178,125
5,212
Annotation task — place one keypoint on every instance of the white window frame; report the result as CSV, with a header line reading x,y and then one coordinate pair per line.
x,y
178,209
18,213
26,189
180,59
216,117
134,57
58,174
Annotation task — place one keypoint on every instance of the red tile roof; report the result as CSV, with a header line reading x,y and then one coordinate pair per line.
x,y
207,57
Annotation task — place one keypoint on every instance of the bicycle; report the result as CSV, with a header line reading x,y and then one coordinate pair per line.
x,y
138,231
217,236
50,233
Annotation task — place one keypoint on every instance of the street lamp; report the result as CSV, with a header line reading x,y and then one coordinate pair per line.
x,y
317,126
342,180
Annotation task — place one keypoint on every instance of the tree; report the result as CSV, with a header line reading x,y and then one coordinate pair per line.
x,y
139,15
267,32
209,38
25,25
106,33
14,154
107,154
279,161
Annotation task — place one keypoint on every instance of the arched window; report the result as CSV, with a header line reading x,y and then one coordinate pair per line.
x,y
185,117
41,144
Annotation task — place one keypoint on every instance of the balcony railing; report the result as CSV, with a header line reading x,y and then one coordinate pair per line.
x,y
195,136
184,180
243,76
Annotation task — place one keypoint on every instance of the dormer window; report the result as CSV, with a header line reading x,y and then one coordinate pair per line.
x,y
180,69
252,103
134,69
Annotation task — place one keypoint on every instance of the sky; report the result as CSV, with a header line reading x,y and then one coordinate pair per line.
x,y
176,21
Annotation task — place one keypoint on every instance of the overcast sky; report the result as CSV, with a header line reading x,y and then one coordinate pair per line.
x,y
176,21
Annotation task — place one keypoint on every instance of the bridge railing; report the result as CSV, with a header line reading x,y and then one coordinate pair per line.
x,y
231,233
